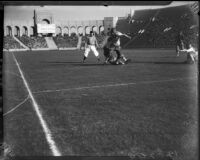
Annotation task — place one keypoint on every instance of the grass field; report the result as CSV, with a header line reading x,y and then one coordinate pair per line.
x,y
92,109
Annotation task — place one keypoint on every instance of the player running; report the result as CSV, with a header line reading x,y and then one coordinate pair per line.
x,y
90,45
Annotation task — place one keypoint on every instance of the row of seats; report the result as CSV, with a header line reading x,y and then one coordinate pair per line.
x,y
11,43
66,41
33,42
159,28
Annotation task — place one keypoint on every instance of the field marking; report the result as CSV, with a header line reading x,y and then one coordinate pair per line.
x,y
13,73
111,85
17,106
46,130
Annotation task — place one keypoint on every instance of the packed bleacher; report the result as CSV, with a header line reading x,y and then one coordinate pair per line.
x,y
100,38
11,43
33,42
158,28
66,41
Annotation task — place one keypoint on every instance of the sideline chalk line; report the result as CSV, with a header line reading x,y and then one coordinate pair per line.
x,y
111,85
46,130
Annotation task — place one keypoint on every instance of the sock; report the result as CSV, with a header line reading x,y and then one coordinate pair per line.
x,y
124,58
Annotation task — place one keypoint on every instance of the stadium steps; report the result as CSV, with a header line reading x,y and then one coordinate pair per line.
x,y
24,46
50,43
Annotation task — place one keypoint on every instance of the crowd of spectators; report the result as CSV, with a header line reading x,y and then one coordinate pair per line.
x,y
11,43
149,28
100,38
33,42
66,41
160,30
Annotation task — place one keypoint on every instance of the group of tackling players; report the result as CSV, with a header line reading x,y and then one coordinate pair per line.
x,y
110,45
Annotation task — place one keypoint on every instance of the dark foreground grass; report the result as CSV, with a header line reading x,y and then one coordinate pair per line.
x,y
94,115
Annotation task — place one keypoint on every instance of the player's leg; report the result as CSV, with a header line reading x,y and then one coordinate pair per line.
x,y
120,56
190,58
177,50
87,50
107,54
195,56
96,53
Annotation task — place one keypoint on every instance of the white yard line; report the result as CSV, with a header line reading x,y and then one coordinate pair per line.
x,y
17,106
13,73
44,125
111,85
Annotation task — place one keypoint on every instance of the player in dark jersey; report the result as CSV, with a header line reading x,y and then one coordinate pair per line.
x,y
108,51
179,42
114,39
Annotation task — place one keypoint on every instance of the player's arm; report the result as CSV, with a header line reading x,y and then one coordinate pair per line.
x,y
96,43
188,50
86,42
123,34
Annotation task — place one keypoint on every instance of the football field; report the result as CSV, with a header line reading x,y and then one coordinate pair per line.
x,y
56,105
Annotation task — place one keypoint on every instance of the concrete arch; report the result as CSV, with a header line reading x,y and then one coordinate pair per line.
x,y
73,30
58,30
65,31
95,29
24,30
16,31
101,29
87,30
80,30
8,31
45,21
31,31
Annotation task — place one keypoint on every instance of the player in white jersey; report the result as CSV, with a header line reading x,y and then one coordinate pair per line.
x,y
192,54
90,45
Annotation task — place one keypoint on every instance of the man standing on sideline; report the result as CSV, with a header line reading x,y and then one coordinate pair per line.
x,y
90,45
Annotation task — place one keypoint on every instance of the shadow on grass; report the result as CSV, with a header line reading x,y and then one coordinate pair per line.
x,y
75,63
102,64
153,62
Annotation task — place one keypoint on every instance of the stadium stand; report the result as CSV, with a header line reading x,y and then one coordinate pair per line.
x,y
100,38
33,42
66,41
11,43
152,28
158,28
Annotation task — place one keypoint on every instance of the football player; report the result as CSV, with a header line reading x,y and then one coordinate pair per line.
x,y
114,40
90,45
179,43
192,54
